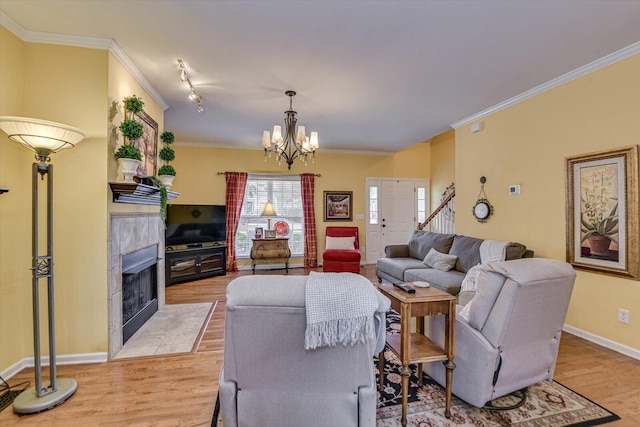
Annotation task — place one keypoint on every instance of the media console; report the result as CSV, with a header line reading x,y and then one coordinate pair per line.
x,y
193,263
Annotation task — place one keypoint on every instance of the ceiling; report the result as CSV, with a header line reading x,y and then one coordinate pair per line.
x,y
373,76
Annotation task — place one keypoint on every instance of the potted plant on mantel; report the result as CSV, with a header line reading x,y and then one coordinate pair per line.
x,y
129,157
167,173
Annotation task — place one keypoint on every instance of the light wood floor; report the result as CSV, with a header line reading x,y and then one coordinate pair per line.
x,y
180,390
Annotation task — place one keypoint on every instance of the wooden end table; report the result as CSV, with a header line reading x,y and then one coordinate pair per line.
x,y
416,347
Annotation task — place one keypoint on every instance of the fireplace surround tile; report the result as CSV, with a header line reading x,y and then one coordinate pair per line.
x,y
129,232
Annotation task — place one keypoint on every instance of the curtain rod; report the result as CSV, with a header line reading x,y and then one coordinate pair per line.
x,y
274,174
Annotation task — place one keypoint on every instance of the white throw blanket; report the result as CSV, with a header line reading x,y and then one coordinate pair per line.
x,y
340,309
492,250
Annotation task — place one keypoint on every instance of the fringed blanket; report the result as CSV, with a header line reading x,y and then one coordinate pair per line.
x,y
340,309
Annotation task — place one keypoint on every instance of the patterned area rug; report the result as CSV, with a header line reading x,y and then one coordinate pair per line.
x,y
548,403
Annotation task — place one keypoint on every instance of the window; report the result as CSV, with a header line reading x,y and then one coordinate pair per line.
x,y
285,194
373,205
421,193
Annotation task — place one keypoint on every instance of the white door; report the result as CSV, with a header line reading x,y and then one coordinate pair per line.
x,y
395,207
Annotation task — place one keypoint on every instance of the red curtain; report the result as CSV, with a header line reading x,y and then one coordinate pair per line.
x,y
236,183
307,184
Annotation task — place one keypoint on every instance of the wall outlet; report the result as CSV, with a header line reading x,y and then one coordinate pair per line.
x,y
514,190
623,315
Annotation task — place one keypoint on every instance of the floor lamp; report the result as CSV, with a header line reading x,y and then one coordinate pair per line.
x,y
43,138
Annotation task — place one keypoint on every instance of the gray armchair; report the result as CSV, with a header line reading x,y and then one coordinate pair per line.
x,y
507,337
269,379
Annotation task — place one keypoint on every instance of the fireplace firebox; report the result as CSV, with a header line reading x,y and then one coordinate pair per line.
x,y
139,289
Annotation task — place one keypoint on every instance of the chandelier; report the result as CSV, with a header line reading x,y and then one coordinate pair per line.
x,y
293,144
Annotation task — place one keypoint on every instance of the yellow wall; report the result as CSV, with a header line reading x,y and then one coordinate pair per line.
x,y
443,167
67,85
197,180
527,144
15,246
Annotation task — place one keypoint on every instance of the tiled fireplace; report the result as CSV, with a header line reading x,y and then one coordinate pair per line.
x,y
130,232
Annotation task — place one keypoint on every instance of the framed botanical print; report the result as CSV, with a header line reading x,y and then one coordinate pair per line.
x,y
148,144
603,229
338,205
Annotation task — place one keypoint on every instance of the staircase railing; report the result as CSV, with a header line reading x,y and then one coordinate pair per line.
x,y
443,218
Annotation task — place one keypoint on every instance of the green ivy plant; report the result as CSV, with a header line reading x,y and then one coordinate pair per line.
x,y
163,196
128,152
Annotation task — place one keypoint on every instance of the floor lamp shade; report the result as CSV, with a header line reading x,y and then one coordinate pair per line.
x,y
43,138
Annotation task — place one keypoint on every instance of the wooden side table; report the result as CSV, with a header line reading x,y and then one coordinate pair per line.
x,y
416,347
270,251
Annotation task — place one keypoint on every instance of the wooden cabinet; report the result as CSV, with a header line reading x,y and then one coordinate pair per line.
x,y
182,265
270,251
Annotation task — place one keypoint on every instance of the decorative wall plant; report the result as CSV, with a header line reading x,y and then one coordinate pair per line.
x,y
167,172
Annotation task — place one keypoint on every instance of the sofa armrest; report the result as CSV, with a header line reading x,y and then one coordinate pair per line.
x,y
396,251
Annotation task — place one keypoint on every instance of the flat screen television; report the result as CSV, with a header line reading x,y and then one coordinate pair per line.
x,y
194,225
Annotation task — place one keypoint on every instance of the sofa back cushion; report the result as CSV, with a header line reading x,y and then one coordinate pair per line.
x,y
422,241
440,261
467,249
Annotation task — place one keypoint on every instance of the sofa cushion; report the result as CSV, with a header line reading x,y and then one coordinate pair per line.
x,y
341,243
396,267
467,249
440,261
422,241
341,255
448,281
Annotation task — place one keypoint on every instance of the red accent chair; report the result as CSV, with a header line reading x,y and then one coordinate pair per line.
x,y
342,260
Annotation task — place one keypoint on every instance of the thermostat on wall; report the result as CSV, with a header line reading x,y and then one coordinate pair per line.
x,y
514,190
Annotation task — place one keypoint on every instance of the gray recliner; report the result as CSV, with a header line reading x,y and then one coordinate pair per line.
x,y
507,338
269,379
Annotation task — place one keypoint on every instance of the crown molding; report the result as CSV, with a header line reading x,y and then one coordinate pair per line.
x,y
102,43
558,81
259,148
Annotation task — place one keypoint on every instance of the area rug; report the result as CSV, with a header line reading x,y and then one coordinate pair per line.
x,y
176,328
548,403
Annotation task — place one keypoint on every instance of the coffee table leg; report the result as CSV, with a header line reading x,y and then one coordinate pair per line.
x,y
449,377
406,373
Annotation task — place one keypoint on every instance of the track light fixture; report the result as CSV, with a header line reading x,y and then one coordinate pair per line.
x,y
193,95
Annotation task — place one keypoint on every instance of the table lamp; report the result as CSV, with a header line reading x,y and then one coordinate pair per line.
x,y
269,212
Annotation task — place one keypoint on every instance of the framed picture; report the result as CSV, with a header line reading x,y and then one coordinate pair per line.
x,y
602,212
259,233
148,144
338,205
269,234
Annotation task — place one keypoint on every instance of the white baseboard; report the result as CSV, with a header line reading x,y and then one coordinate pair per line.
x,y
65,359
604,342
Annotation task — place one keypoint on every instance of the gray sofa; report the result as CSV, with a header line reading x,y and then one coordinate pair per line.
x,y
405,263
269,379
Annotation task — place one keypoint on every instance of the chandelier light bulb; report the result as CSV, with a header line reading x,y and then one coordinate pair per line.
x,y
266,139
301,136
277,134
313,141
183,75
192,95
200,109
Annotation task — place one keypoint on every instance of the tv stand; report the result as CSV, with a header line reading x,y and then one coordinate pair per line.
x,y
193,263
